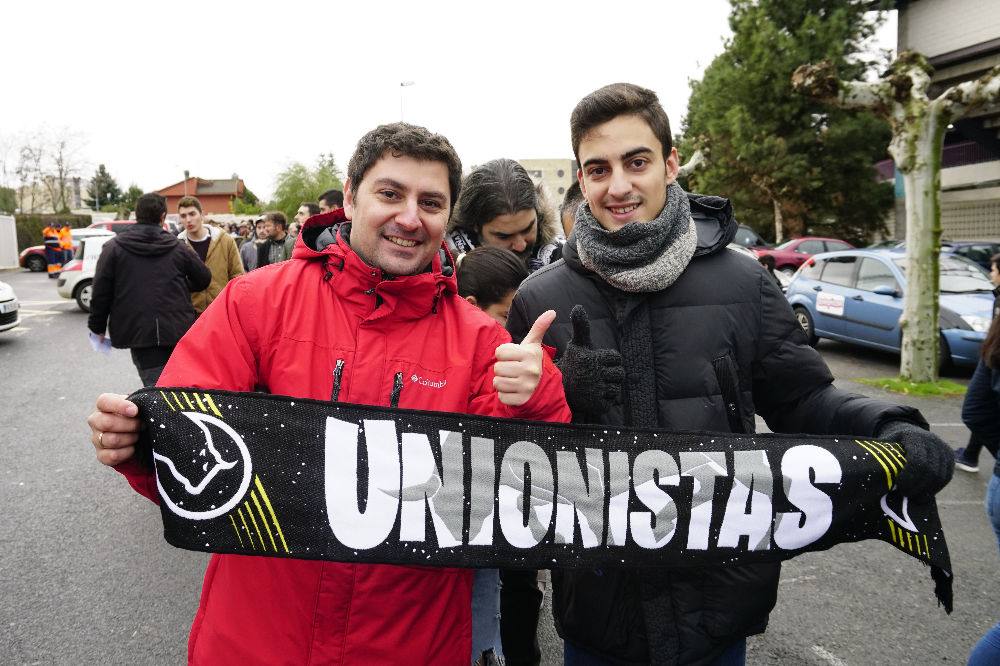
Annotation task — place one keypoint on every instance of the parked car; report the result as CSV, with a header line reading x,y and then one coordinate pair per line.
x,y
116,226
77,277
10,308
747,237
791,254
783,278
885,243
33,258
856,296
977,251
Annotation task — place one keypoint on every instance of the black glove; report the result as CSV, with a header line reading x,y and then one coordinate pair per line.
x,y
929,461
592,377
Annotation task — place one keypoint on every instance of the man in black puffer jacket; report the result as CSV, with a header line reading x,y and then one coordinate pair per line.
x,y
677,332
143,283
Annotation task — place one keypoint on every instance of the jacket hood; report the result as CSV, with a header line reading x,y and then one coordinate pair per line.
x,y
325,239
713,219
147,240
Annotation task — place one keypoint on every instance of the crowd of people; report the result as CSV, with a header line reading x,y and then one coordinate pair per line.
x,y
647,320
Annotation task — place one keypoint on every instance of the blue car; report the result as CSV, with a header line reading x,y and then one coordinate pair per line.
x,y
856,296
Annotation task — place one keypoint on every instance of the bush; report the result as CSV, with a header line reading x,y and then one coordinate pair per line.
x,y
29,227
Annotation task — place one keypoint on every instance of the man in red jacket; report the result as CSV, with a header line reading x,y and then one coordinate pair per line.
x,y
368,314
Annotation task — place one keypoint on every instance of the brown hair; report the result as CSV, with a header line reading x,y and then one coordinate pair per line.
x,y
277,217
490,273
990,350
403,139
189,202
615,100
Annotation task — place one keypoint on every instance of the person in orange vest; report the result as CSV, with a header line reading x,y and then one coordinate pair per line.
x,y
53,253
66,242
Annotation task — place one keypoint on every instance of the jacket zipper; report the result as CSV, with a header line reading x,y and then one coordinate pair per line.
x,y
157,320
397,388
338,374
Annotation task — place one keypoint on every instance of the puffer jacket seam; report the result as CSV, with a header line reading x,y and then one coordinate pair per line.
x,y
312,635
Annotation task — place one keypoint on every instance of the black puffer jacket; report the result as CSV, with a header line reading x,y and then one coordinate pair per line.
x,y
704,354
143,283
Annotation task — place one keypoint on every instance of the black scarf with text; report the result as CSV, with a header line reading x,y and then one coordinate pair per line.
x,y
257,474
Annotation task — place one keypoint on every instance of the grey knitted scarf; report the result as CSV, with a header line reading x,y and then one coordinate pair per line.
x,y
640,257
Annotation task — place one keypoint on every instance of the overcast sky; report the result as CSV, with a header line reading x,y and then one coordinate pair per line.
x,y
153,88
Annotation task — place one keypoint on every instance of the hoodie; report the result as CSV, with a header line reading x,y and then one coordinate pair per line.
x,y
142,288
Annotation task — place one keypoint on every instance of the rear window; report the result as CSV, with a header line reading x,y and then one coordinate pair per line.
x,y
839,271
747,237
835,245
810,247
873,273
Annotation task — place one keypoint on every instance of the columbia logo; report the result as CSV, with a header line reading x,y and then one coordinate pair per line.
x,y
429,383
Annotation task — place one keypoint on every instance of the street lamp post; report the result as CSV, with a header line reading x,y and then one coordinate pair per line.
x,y
402,84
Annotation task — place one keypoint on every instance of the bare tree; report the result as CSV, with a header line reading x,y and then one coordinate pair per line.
x,y
47,163
918,126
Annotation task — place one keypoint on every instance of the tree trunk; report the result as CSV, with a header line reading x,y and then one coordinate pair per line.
x,y
922,179
779,223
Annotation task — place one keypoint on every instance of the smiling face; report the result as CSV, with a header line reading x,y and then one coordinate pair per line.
x,y
623,173
516,232
399,213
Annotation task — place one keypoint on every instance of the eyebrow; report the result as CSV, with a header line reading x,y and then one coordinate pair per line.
x,y
626,155
399,186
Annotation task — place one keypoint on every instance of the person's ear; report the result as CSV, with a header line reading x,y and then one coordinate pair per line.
x,y
472,299
672,166
348,200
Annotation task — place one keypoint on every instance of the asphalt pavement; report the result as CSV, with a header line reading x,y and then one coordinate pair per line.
x,y
85,576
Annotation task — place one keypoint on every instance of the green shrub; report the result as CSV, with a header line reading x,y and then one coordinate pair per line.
x,y
29,227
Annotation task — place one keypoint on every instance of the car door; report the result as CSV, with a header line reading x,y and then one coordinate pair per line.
x,y
869,317
831,293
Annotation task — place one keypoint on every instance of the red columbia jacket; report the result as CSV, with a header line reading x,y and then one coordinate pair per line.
x,y
325,325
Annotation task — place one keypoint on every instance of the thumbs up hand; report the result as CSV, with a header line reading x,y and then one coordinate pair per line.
x,y
518,368
592,378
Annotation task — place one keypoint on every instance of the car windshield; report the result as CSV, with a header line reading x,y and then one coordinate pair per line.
x,y
958,276
785,245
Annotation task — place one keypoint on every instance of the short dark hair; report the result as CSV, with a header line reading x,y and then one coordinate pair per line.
x,y
189,202
490,273
403,139
572,199
277,217
619,99
333,198
311,207
499,187
150,208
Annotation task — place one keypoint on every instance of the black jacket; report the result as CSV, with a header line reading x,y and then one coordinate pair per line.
x,y
702,355
143,283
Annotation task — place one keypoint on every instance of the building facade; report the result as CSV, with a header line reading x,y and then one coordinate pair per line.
x,y
961,39
216,196
555,174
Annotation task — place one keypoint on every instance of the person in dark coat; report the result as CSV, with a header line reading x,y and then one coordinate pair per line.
x,y
967,457
659,326
142,289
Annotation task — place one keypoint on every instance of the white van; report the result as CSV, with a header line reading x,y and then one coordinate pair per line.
x,y
77,277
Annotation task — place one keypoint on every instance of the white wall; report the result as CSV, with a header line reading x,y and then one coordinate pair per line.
x,y
933,27
8,242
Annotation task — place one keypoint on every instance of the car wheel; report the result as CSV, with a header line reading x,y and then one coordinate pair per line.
x,y
806,322
35,263
83,293
787,270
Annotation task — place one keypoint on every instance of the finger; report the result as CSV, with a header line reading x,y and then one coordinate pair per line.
x,y
581,326
608,357
107,422
508,368
539,328
113,440
116,404
112,457
510,352
615,375
507,385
